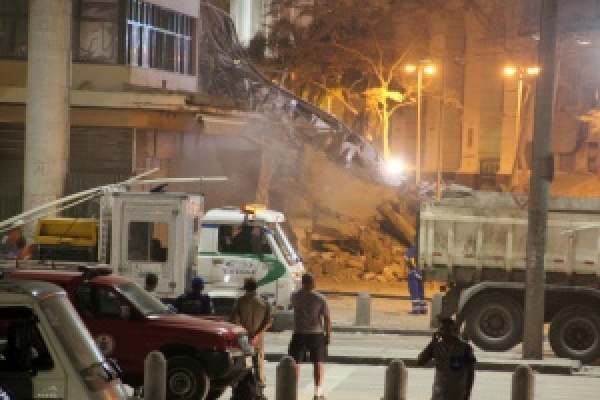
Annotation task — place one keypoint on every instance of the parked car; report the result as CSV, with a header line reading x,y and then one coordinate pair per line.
x,y
204,356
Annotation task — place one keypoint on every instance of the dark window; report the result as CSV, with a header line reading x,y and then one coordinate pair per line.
x,y
23,346
159,38
97,33
148,241
14,19
98,302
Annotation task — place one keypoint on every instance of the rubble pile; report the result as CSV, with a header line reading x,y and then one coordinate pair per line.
x,y
349,229
374,253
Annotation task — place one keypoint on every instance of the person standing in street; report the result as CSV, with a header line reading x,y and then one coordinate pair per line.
x,y
415,283
254,314
312,331
454,363
195,302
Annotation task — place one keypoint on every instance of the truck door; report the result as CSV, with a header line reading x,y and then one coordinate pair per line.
x,y
27,367
148,245
244,251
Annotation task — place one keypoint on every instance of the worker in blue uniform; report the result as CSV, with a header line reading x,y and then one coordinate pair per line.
x,y
415,283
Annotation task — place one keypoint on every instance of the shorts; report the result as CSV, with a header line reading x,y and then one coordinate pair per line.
x,y
311,343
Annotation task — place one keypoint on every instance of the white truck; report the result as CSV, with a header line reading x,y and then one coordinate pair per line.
x,y
476,243
168,234
45,350
268,256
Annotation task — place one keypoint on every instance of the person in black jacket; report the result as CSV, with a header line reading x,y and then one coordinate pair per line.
x,y
195,302
454,363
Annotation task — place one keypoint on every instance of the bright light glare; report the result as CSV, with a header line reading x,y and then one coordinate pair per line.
x,y
429,69
509,70
535,70
394,167
410,68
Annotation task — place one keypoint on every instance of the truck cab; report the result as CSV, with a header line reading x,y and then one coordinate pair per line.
x,y
45,349
236,243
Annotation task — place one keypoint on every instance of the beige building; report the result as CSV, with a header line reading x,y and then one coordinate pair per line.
x,y
118,96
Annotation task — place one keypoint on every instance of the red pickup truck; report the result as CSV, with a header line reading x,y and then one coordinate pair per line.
x,y
204,356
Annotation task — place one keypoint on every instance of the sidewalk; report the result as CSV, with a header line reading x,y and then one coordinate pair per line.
x,y
377,344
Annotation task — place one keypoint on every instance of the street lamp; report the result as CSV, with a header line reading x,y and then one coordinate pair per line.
x,y
429,69
521,72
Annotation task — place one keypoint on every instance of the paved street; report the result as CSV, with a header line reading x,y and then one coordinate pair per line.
x,y
359,382
364,382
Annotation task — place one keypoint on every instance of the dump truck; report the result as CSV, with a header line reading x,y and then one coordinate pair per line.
x,y
475,244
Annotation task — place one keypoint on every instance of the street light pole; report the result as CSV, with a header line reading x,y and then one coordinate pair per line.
x,y
441,130
418,155
541,173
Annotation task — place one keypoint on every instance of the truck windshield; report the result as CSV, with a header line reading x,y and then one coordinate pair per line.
x,y
71,332
143,301
286,248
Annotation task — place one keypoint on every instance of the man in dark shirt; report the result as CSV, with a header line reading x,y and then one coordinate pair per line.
x,y
454,363
312,330
195,302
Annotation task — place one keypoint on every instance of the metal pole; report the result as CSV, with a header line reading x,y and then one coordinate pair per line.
x,y
538,192
441,130
363,309
396,376
155,376
523,383
286,383
518,125
418,155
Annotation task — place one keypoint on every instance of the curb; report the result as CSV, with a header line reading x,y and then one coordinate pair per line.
x,y
372,295
382,331
566,368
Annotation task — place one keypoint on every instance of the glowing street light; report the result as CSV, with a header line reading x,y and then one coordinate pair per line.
x,y
429,69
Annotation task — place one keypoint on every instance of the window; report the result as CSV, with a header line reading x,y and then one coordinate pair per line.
x,y
14,19
24,346
148,241
98,302
159,38
245,239
97,21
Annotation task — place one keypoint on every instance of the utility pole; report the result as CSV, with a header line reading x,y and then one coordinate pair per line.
x,y
541,174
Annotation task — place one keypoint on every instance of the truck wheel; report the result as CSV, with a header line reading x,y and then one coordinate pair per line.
x,y
494,322
186,379
575,334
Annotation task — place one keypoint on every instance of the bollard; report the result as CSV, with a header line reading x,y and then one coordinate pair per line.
x,y
155,376
395,381
436,310
523,383
286,385
363,309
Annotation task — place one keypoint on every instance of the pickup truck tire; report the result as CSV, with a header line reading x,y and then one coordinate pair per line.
x,y
575,334
186,379
494,322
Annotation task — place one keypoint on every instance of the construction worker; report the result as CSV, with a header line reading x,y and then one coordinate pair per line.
x,y
415,283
